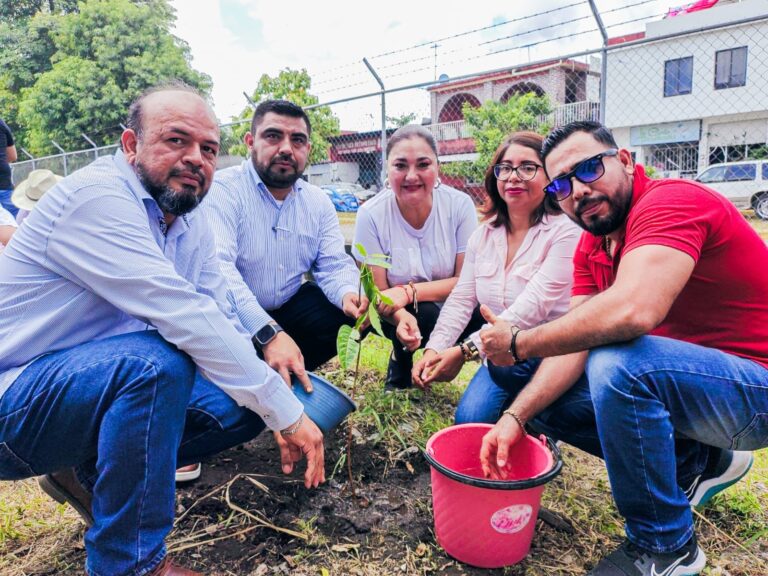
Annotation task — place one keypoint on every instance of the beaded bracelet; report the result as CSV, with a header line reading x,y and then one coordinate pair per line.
x,y
295,428
517,419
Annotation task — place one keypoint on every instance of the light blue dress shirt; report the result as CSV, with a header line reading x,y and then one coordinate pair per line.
x,y
91,262
265,247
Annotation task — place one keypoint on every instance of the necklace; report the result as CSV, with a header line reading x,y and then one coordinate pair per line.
x,y
607,247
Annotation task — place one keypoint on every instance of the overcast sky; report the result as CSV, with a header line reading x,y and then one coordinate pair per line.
x,y
406,41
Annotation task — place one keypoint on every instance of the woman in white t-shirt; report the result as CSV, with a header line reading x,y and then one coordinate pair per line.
x,y
423,226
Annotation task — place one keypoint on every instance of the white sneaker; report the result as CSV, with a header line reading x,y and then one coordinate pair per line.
x,y
189,473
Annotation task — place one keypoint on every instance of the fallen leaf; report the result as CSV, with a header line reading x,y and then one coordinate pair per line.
x,y
344,547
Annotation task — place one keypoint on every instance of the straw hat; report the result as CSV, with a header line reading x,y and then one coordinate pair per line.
x,y
26,194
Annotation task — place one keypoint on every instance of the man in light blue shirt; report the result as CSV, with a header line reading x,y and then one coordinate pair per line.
x,y
271,229
118,348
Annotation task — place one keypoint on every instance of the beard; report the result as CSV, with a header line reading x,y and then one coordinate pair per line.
x,y
618,209
275,176
170,201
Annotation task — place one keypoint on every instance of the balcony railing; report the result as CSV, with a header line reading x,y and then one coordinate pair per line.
x,y
585,110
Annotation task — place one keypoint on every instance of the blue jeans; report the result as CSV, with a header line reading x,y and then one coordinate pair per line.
x,y
125,412
5,202
570,418
661,406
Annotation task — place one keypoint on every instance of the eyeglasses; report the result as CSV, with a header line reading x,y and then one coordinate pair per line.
x,y
525,172
586,171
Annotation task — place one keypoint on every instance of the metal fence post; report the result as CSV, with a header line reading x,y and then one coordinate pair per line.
x,y
92,143
603,57
64,156
383,122
28,156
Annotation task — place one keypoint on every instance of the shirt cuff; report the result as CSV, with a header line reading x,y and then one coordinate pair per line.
x,y
253,317
281,408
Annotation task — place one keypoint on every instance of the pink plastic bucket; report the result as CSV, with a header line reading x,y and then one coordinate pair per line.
x,y
481,522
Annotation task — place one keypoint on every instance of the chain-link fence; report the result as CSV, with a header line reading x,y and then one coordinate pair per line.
x,y
682,94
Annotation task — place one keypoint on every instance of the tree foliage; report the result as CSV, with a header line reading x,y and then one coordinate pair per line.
x,y
492,122
291,85
67,71
401,120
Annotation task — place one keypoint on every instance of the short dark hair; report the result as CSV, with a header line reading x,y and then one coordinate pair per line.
x,y
597,130
496,211
281,108
135,119
412,131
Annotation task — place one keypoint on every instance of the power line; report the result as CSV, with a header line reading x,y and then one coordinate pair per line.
x,y
458,35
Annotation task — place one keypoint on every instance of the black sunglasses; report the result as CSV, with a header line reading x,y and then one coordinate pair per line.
x,y
586,171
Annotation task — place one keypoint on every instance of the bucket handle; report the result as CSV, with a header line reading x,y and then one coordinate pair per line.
x,y
557,466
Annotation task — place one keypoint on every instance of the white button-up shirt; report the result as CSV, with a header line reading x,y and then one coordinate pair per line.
x,y
266,247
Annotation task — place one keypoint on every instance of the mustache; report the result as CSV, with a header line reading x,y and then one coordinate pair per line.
x,y
283,158
193,171
587,203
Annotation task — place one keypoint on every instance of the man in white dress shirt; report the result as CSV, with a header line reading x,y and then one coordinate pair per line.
x,y
120,355
272,228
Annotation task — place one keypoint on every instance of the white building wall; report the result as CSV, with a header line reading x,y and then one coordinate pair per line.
x,y
635,75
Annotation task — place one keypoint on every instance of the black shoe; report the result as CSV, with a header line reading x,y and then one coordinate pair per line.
x,y
398,374
629,560
720,473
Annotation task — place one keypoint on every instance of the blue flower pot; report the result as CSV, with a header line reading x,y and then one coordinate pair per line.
x,y
326,405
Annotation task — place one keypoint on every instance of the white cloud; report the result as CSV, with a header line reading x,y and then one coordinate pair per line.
x,y
330,39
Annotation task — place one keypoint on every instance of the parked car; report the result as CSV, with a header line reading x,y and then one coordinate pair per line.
x,y
343,199
360,192
743,183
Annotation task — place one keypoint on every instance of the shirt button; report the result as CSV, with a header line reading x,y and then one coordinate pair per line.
x,y
280,266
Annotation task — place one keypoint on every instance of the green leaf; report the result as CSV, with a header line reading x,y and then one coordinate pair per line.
x,y
361,250
347,346
378,262
373,316
385,299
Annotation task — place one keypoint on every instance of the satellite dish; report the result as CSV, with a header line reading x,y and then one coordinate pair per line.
x,y
443,78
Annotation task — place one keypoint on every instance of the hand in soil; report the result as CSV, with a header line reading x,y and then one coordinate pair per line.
x,y
306,441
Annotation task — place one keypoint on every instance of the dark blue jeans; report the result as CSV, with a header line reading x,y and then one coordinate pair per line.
x,y
5,202
125,412
660,408
570,418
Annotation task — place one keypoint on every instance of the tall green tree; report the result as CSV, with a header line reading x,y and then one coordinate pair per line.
x,y
11,10
492,122
86,66
294,86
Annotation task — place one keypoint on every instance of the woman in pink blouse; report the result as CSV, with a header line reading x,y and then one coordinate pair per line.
x,y
518,263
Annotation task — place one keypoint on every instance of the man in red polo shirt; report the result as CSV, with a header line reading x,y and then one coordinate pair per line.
x,y
667,336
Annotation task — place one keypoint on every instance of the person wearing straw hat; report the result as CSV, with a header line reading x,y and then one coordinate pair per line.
x,y
28,192
120,356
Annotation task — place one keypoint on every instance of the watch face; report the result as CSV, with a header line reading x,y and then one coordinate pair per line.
x,y
266,334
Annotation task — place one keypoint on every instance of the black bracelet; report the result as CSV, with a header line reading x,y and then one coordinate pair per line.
x,y
513,344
